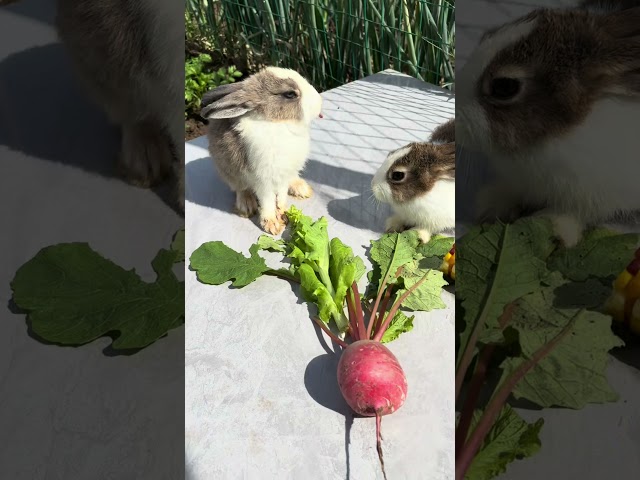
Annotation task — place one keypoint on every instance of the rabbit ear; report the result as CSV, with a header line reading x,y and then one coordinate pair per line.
x,y
226,101
219,92
620,63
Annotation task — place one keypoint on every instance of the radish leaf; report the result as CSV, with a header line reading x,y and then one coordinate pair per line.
x,y
574,373
73,296
427,296
400,324
498,264
265,242
344,269
434,251
177,245
602,253
511,438
215,264
392,251
315,291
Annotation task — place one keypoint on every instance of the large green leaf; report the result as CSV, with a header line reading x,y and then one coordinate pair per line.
x,y
215,264
496,265
573,374
73,295
511,438
601,253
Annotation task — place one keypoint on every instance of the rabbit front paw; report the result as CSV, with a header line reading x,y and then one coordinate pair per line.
x,y
299,188
274,225
246,203
423,235
395,224
496,202
567,228
146,155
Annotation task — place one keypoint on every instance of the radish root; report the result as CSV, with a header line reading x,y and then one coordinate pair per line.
x,y
379,444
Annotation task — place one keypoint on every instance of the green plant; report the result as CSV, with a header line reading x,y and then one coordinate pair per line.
x,y
199,79
333,42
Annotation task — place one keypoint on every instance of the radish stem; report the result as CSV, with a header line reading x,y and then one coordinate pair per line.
x,y
497,402
381,291
396,306
353,320
477,381
282,274
374,310
383,308
326,330
469,348
362,333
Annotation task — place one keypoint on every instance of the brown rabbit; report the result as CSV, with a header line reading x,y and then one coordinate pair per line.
x,y
553,100
419,182
259,139
130,57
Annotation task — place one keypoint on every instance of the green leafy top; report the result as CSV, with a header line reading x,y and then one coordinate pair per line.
x,y
523,296
73,295
327,270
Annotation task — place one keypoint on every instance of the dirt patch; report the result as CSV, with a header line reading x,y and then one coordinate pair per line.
x,y
194,128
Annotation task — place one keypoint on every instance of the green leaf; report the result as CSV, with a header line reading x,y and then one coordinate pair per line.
x,y
400,324
266,242
344,269
178,245
315,291
434,251
573,374
427,296
496,265
511,438
215,264
310,242
73,296
392,251
602,253
310,251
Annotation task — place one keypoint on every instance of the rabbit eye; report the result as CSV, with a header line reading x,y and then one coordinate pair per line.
x,y
397,176
290,95
505,88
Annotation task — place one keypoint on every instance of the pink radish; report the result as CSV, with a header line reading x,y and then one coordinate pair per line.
x,y
370,377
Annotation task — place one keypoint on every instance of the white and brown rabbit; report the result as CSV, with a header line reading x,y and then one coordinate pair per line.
x,y
419,182
553,100
259,139
129,55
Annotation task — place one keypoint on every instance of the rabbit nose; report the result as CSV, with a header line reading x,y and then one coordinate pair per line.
x,y
320,115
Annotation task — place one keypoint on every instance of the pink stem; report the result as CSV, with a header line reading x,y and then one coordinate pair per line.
x,y
375,305
329,332
383,309
477,382
374,310
353,320
497,402
395,308
362,333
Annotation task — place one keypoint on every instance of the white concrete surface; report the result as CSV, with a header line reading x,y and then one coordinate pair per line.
x,y
262,401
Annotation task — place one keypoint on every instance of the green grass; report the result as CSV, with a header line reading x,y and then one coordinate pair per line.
x,y
333,42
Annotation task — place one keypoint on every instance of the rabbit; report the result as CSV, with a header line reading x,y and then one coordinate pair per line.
x,y
552,99
259,139
418,181
129,57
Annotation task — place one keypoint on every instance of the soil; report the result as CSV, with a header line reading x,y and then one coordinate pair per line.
x,y
194,128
